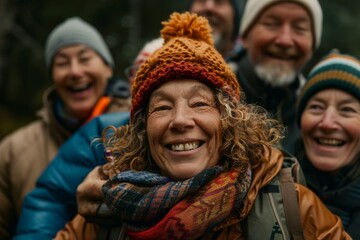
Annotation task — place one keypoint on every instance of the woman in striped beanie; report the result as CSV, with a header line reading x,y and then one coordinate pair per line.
x,y
329,118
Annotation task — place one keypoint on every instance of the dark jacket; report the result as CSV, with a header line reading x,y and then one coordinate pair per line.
x,y
53,202
340,192
280,102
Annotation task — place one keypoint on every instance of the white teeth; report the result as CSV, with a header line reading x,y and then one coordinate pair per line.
x,y
185,147
331,142
80,88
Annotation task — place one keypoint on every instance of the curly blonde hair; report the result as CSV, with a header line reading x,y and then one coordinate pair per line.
x,y
248,133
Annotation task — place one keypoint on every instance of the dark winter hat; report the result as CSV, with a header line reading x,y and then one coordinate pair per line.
x,y
335,70
76,31
188,52
238,6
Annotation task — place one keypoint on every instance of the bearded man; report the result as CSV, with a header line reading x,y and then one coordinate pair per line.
x,y
278,39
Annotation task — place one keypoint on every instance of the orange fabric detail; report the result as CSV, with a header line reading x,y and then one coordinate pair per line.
x,y
99,108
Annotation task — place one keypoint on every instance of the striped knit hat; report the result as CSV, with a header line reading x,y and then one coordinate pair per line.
x,y
188,53
335,70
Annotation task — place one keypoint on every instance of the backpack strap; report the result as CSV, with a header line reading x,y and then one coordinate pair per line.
x,y
291,205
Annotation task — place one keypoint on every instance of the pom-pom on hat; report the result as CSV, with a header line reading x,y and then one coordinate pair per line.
x,y
72,31
335,70
254,8
188,53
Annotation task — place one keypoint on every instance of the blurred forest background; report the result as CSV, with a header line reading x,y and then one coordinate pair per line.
x,y
126,26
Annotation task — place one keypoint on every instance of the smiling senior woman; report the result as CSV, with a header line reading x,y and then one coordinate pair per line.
x,y
329,115
194,157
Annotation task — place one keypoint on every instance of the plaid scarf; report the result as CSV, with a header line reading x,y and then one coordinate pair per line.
x,y
152,206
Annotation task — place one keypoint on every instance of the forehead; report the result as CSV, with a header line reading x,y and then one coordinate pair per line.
x,y
181,86
286,9
73,49
335,93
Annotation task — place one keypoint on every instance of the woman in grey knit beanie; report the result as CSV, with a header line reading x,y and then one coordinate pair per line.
x,y
80,66
76,31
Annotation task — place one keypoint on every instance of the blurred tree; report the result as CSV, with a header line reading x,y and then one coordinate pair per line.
x,y
340,29
126,26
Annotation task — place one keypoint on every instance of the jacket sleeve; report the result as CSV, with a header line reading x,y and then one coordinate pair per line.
x,y
316,219
7,206
52,203
78,228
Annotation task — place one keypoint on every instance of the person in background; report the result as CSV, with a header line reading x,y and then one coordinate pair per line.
x,y
194,158
329,152
224,17
53,201
148,49
278,39
81,68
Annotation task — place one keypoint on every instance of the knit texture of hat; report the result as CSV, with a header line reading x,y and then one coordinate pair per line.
x,y
188,53
337,71
76,31
254,8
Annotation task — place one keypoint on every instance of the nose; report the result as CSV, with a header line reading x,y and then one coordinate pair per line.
x,y
76,69
182,119
285,37
328,120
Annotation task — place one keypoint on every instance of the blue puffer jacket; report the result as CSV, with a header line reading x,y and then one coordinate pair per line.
x,y
52,203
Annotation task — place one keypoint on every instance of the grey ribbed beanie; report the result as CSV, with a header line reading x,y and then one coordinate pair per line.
x,y
76,31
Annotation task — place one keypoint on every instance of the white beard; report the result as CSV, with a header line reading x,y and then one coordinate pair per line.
x,y
277,75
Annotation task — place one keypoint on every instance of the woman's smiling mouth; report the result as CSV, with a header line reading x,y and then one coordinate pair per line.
x,y
185,146
330,142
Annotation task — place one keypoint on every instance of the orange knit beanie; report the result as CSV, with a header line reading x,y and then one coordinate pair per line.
x,y
187,53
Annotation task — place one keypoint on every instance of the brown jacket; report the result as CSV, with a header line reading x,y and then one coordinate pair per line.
x,y
25,153
317,221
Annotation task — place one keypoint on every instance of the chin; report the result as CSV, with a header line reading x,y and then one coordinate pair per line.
x,y
326,167
185,174
277,75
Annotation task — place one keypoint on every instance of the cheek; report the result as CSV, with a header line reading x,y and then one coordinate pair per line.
x,y
254,46
214,130
58,76
353,129
306,48
154,130
195,7
228,14
307,124
103,73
